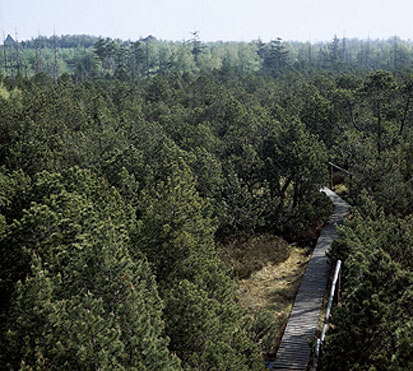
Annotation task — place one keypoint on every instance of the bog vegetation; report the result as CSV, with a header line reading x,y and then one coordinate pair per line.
x,y
126,166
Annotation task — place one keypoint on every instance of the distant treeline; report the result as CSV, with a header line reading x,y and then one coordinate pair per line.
x,y
86,56
63,41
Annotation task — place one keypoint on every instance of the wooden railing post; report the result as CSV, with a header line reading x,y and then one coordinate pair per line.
x,y
338,168
331,176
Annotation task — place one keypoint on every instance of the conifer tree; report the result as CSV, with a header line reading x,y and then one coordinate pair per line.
x,y
81,302
197,47
371,327
176,234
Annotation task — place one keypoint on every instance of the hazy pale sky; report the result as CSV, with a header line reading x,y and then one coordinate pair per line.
x,y
303,20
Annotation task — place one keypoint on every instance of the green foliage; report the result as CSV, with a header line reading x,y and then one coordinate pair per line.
x,y
176,234
376,244
274,56
138,60
294,163
118,179
173,223
244,208
385,176
319,117
367,329
80,301
261,328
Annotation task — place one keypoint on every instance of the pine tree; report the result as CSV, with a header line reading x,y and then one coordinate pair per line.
x,y
295,170
274,56
81,303
197,47
334,50
176,234
371,327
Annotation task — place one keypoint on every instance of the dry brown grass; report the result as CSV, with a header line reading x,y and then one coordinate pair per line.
x,y
273,289
272,285
246,257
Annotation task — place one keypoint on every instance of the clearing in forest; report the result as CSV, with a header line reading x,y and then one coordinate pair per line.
x,y
268,295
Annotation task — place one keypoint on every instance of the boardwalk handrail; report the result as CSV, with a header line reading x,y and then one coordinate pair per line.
x,y
339,168
294,351
332,167
320,341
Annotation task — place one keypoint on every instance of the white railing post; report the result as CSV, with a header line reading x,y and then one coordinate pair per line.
x,y
320,341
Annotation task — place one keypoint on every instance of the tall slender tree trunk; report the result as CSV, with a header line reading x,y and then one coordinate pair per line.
x,y
55,71
4,54
147,59
406,109
16,46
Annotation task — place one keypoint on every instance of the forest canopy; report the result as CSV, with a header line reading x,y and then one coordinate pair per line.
x,y
125,166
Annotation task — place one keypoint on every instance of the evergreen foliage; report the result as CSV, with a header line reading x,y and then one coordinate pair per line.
x,y
140,59
80,301
366,330
119,179
177,237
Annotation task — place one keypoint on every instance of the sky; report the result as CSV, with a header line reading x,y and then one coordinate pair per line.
x,y
226,20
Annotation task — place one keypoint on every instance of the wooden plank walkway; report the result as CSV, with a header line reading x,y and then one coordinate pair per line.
x,y
295,348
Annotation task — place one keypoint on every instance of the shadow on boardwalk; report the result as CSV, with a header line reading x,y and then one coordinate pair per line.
x,y
295,348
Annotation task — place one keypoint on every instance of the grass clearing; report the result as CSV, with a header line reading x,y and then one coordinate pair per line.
x,y
268,295
249,256
275,285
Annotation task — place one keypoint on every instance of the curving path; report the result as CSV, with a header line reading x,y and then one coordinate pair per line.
x,y
295,348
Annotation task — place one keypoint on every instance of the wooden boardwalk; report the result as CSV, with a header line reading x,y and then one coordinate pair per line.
x,y
295,348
